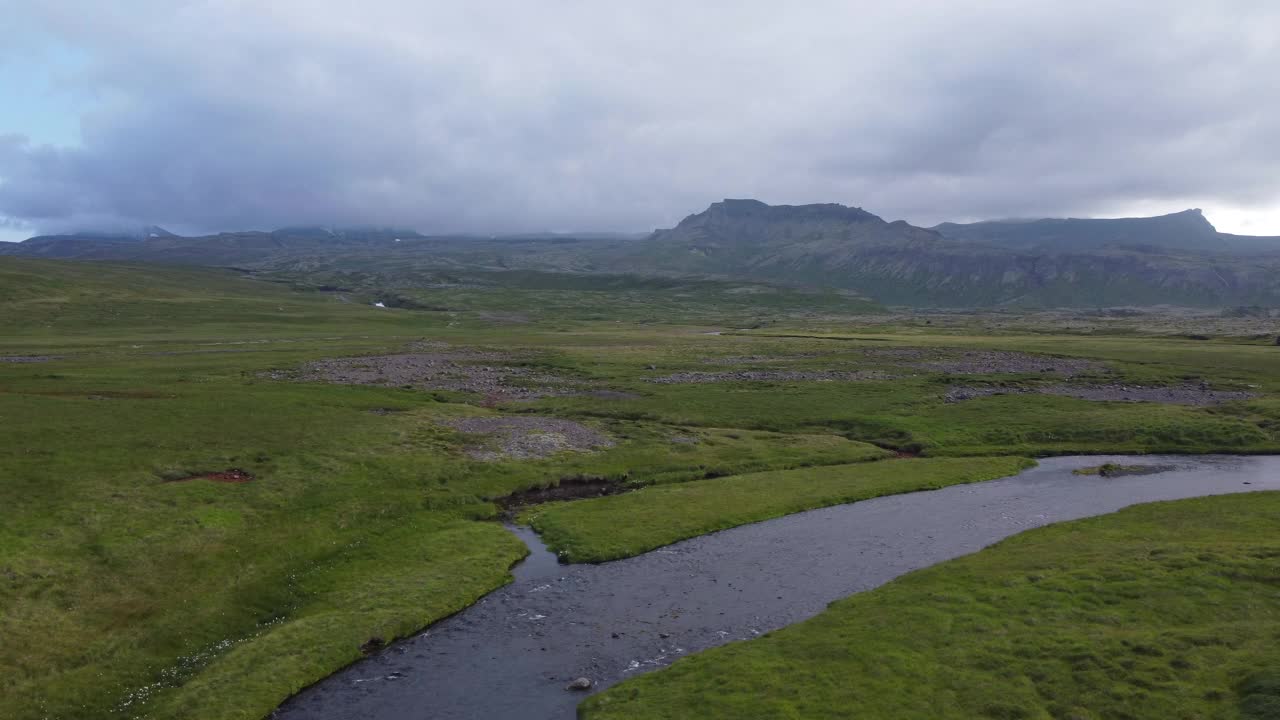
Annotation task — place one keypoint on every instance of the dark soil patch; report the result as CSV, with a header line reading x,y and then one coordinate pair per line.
x,y
527,437
570,488
1186,394
386,411
231,475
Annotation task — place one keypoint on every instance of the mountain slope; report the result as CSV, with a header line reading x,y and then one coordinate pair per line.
x,y
1172,259
1186,230
1069,263
229,248
735,236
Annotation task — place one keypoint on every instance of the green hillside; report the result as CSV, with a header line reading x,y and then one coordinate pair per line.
x,y
61,299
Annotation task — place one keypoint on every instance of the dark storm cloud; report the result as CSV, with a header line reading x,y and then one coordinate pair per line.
x,y
506,116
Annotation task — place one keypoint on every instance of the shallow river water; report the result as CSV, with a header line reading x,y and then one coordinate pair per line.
x,y
511,654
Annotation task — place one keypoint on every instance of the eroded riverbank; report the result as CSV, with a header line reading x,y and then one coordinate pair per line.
x,y
511,654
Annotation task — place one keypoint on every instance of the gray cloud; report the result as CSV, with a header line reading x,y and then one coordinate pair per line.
x,y
512,116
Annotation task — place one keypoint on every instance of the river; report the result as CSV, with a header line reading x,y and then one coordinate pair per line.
x,y
511,654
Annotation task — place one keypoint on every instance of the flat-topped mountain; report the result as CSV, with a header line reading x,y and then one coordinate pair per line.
x,y
736,222
752,213
1186,230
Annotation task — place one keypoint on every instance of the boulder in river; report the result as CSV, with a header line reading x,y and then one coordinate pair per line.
x,y
579,684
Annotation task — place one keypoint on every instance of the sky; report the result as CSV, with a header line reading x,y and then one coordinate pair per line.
x,y
491,116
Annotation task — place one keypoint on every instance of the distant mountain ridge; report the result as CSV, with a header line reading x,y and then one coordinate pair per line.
x,y
1178,258
227,248
1186,230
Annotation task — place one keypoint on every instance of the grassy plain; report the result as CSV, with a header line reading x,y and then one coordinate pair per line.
x,y
127,593
1167,610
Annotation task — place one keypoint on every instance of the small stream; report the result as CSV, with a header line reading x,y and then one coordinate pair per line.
x,y
511,654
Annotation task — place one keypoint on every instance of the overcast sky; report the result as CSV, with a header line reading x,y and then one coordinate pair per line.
x,y
507,116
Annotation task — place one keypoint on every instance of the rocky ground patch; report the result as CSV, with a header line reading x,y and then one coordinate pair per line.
x,y
985,362
685,378
1198,394
491,374
913,360
754,359
29,358
526,437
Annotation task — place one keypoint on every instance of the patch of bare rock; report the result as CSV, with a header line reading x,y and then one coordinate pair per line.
x,y
754,359
685,378
481,372
984,362
1198,394
29,358
526,437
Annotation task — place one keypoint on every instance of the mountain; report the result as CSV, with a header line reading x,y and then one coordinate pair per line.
x,y
777,236
1186,230
72,244
807,244
228,248
1172,259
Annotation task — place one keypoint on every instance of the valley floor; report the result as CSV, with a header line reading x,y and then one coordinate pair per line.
x,y
215,491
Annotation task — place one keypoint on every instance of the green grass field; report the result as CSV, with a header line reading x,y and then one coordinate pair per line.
x,y
127,592
1167,610
619,526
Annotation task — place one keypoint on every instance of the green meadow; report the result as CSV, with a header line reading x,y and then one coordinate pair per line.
x,y
608,528
133,583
